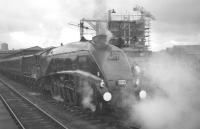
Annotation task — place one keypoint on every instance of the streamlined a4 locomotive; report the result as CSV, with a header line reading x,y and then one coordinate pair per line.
x,y
92,74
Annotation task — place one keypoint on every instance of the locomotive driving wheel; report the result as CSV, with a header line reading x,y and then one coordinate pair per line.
x,y
62,87
72,90
70,93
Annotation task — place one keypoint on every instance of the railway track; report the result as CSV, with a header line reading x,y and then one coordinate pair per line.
x,y
27,114
104,121
78,118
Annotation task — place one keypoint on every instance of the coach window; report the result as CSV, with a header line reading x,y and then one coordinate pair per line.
x,y
68,64
60,64
83,64
53,65
37,60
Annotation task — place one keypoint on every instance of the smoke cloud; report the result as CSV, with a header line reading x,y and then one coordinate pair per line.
x,y
176,105
100,14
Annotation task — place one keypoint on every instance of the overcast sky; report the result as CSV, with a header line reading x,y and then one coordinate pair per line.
x,y
27,23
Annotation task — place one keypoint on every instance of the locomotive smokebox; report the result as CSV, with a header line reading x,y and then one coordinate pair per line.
x,y
100,41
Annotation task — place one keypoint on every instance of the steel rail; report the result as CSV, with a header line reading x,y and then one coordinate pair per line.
x,y
18,122
35,105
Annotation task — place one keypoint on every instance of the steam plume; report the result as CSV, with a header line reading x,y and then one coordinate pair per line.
x,y
179,105
87,93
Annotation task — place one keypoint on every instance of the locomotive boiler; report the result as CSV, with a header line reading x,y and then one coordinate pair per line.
x,y
92,74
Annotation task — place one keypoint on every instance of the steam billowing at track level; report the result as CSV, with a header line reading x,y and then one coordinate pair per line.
x,y
177,106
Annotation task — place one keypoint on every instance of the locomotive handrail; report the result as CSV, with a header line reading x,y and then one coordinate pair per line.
x,y
76,72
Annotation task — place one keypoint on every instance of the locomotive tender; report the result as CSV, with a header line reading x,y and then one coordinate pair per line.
x,y
64,72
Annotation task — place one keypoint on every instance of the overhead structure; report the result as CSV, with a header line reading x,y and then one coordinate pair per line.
x,y
129,30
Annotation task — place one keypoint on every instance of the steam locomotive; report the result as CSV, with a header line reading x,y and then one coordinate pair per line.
x,y
92,74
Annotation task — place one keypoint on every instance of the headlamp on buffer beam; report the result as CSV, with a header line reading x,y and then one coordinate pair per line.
x,y
107,96
143,94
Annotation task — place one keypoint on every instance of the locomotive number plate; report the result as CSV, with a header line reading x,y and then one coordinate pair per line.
x,y
121,82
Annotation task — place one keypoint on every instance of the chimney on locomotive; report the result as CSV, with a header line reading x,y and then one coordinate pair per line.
x,y
100,41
